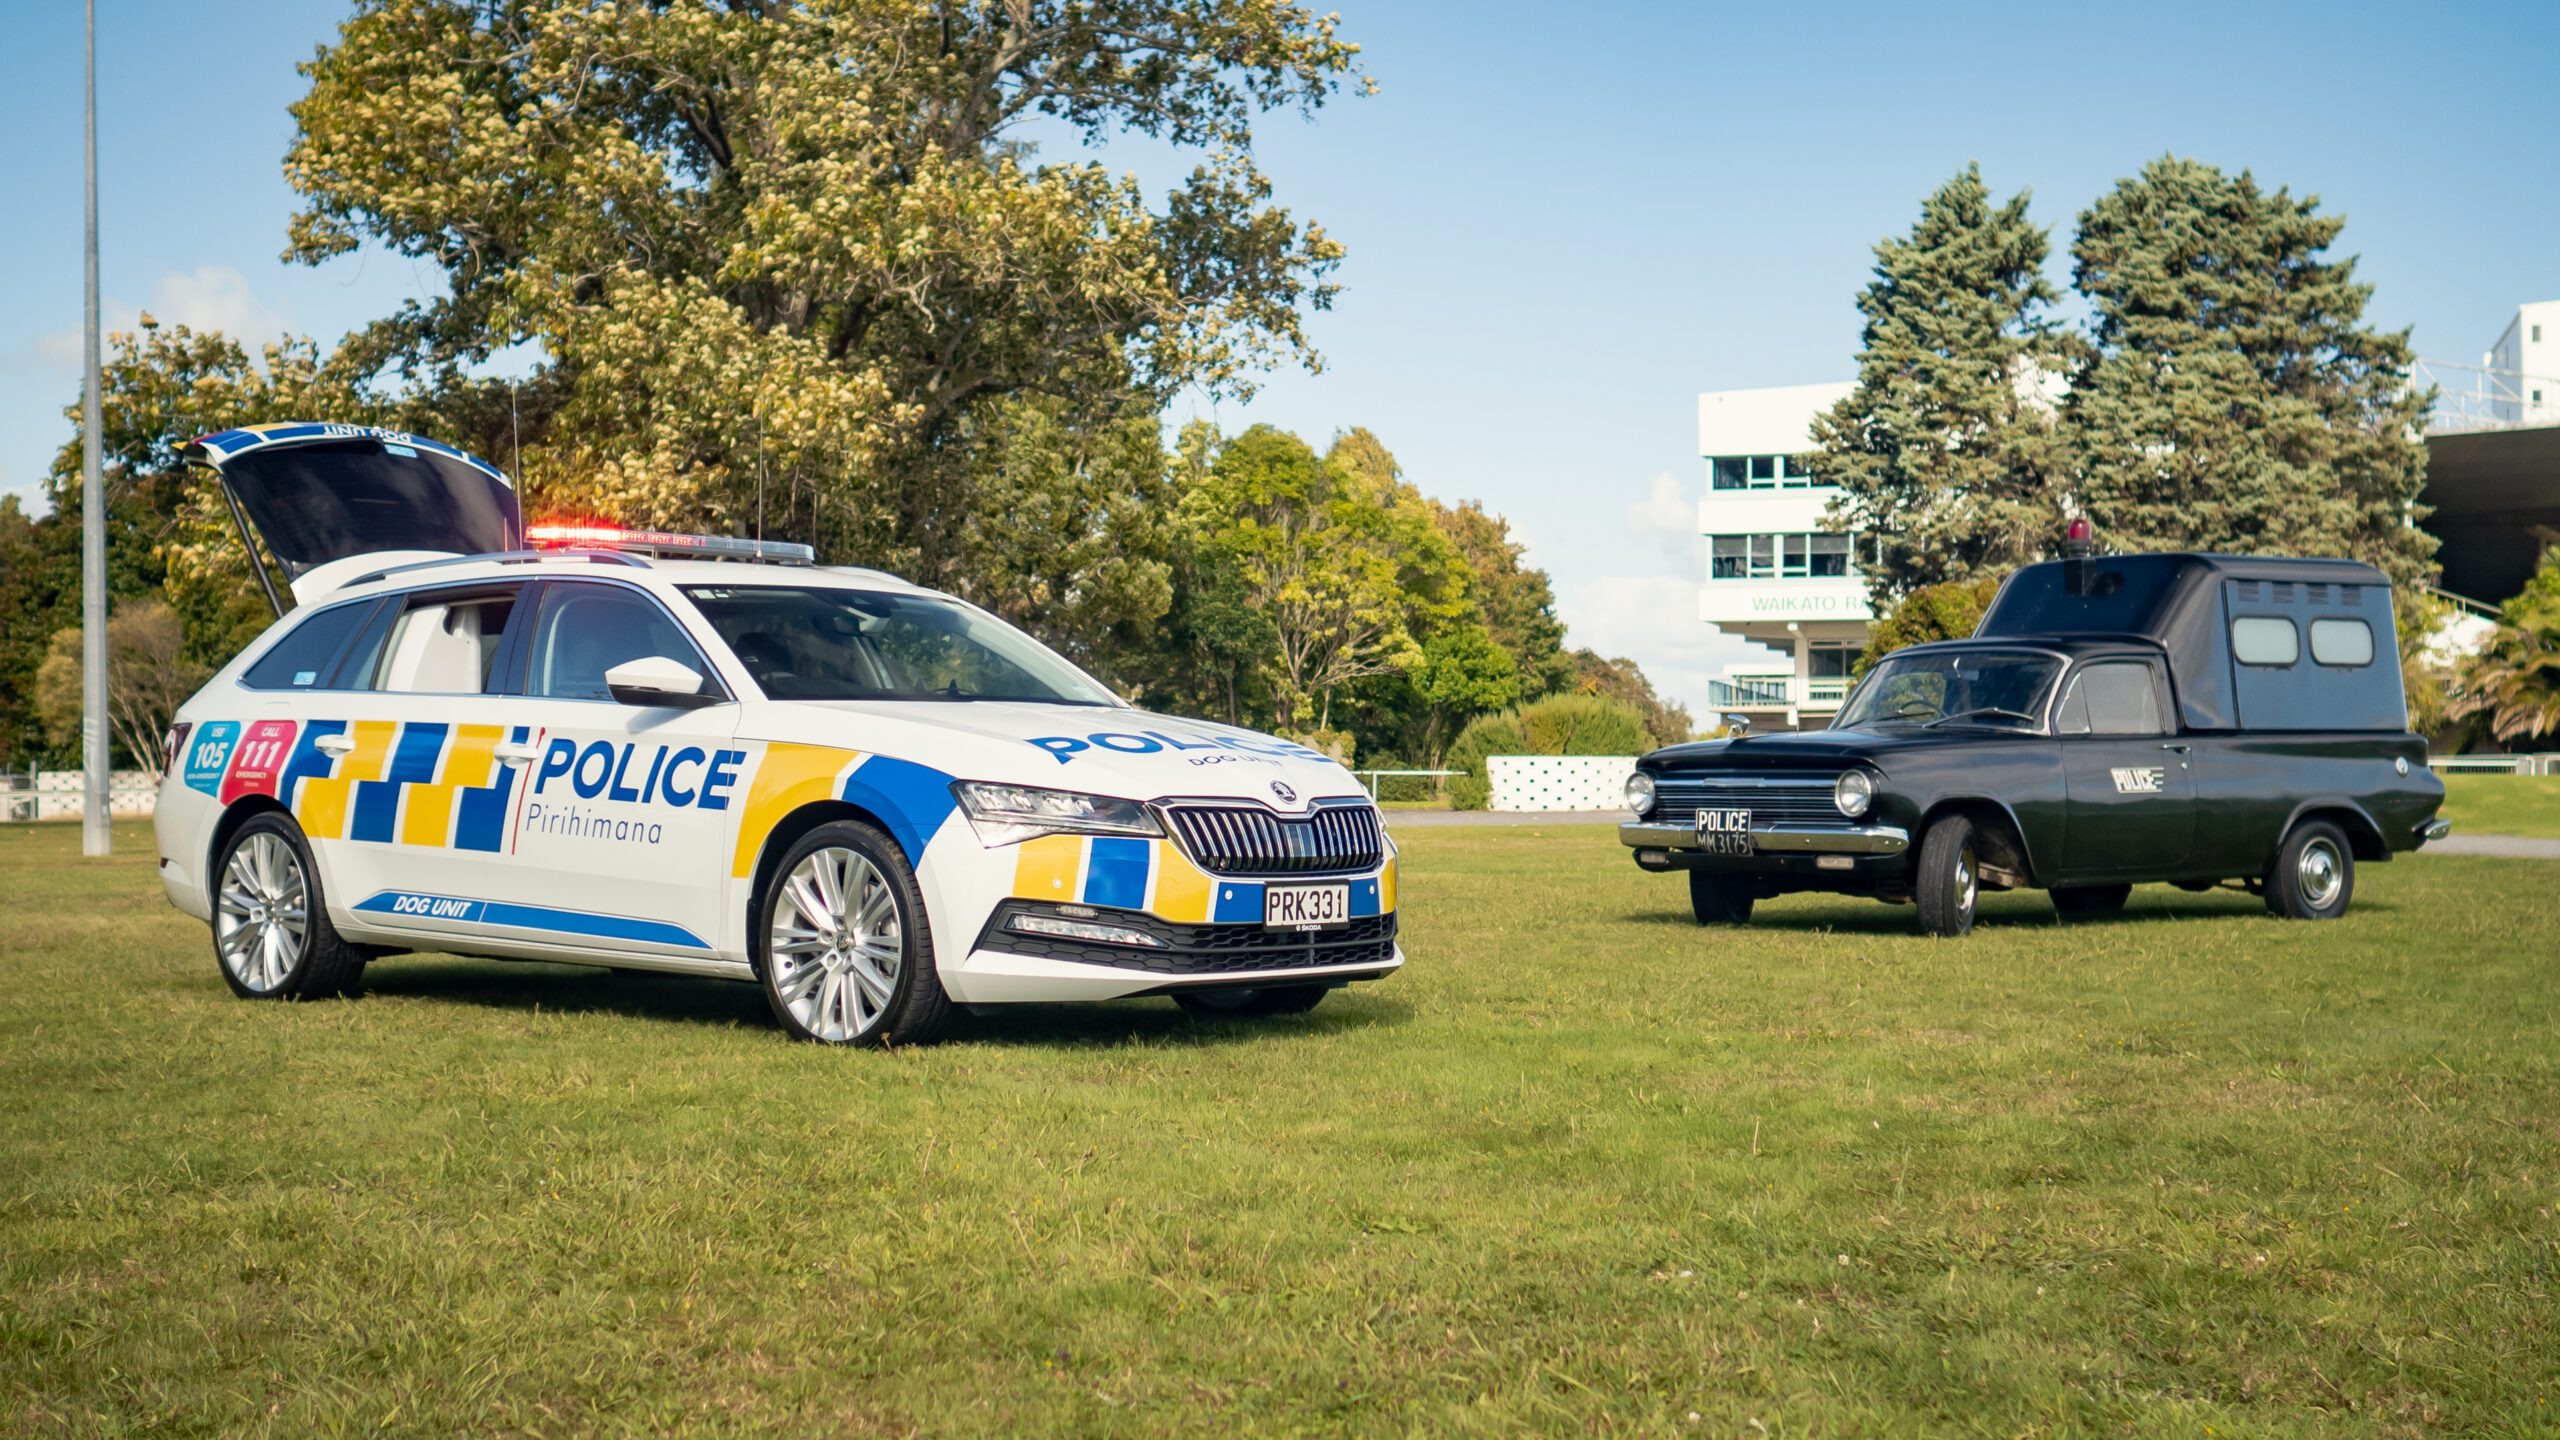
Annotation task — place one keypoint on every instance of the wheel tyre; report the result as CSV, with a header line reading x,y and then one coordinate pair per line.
x,y
842,945
272,938
2314,875
1716,900
1264,1000
1949,880
2090,902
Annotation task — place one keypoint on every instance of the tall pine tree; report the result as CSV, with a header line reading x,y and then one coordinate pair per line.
x,y
1944,451
2234,400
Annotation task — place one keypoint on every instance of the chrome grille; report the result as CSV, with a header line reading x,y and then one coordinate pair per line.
x,y
1249,840
1771,799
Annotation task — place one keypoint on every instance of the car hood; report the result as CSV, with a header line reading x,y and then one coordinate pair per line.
x,y
1809,749
1132,754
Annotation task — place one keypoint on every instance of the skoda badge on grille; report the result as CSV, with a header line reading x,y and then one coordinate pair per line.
x,y
1281,789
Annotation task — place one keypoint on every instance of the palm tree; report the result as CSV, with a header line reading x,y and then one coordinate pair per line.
x,y
2513,684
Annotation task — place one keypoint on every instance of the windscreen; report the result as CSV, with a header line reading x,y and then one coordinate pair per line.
x,y
825,643
327,500
2003,689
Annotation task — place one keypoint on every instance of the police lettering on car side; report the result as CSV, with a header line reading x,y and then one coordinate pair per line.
x,y
654,751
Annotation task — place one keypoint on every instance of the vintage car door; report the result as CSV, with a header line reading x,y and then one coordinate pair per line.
x,y
2131,806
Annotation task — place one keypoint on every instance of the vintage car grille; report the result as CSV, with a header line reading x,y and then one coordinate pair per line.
x,y
1783,799
1247,840
1201,949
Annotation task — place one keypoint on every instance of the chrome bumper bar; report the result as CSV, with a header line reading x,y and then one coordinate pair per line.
x,y
1777,839
2435,830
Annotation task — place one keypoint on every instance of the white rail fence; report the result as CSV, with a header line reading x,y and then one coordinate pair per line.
x,y
1559,782
55,794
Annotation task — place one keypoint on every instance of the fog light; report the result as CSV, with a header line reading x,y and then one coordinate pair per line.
x,y
1853,792
1834,862
1062,929
1640,794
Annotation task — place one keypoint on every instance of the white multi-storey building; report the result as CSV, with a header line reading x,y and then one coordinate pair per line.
x,y
1778,572
2526,361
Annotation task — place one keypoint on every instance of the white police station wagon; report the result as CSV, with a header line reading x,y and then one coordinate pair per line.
x,y
709,756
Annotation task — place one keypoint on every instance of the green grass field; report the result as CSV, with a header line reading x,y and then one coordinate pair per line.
x,y
2503,805
1583,1168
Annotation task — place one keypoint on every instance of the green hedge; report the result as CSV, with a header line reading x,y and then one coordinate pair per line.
x,y
1557,725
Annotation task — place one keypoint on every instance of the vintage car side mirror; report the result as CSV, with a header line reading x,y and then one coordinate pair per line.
x,y
1737,726
657,680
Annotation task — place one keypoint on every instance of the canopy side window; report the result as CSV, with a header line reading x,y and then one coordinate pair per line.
x,y
2265,640
2341,642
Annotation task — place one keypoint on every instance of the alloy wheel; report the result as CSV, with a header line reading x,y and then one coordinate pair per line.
x,y
836,945
262,917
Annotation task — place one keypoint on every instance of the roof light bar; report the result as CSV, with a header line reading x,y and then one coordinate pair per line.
x,y
666,544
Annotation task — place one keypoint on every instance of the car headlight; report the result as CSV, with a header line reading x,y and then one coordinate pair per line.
x,y
1640,794
1004,814
1853,793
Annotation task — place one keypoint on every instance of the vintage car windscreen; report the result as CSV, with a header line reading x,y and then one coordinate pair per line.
x,y
827,643
2004,689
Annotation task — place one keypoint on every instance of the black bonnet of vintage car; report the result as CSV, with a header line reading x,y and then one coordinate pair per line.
x,y
2192,719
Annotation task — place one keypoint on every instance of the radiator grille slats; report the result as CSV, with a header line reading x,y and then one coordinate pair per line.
x,y
1246,840
1772,800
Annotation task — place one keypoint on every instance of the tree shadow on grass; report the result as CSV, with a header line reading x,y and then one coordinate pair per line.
x,y
532,986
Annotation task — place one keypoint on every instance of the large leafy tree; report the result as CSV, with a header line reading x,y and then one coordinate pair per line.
x,y
1944,452
1515,599
2234,399
815,240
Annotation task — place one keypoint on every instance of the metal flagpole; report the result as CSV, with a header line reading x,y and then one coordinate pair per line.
x,y
96,837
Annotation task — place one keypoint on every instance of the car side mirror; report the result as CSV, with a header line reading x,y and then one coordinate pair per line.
x,y
657,680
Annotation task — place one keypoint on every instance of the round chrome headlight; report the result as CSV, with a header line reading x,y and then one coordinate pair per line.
x,y
1853,793
1640,794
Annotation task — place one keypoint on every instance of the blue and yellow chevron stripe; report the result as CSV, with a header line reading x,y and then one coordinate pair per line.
x,y
414,782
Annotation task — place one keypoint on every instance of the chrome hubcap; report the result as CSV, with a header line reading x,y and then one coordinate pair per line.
x,y
836,945
1964,882
261,918
2319,874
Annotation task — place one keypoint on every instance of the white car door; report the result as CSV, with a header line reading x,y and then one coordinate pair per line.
x,y
625,813
394,772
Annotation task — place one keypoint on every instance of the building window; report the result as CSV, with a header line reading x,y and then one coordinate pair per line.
x,y
2537,334
1727,554
1781,557
1730,472
1829,662
1830,554
1764,469
1764,556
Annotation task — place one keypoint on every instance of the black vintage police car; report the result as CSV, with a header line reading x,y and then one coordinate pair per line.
x,y
2194,719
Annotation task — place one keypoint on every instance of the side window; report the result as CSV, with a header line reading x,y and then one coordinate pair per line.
x,y
588,629
2342,642
2265,640
303,659
437,644
2118,698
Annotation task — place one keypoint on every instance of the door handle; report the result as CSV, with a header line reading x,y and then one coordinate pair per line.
x,y
512,754
2177,745
336,744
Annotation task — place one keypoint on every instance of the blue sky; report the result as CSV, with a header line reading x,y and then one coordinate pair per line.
x,y
1563,222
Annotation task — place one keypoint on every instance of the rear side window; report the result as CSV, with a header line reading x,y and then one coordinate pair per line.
x,y
2266,640
302,660
437,644
2342,642
2117,698
588,629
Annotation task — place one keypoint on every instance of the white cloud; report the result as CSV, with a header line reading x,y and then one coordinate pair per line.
x,y
1653,620
209,297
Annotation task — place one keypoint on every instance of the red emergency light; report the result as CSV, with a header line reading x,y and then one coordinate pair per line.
x,y
667,544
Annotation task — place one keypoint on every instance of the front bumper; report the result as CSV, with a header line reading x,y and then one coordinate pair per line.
x,y
1859,840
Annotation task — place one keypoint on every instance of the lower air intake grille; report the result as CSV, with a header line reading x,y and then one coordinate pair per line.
x,y
1249,840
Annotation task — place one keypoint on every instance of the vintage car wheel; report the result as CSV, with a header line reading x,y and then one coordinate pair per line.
x,y
2314,875
1948,879
271,930
1264,1000
843,947
2089,902
1717,900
